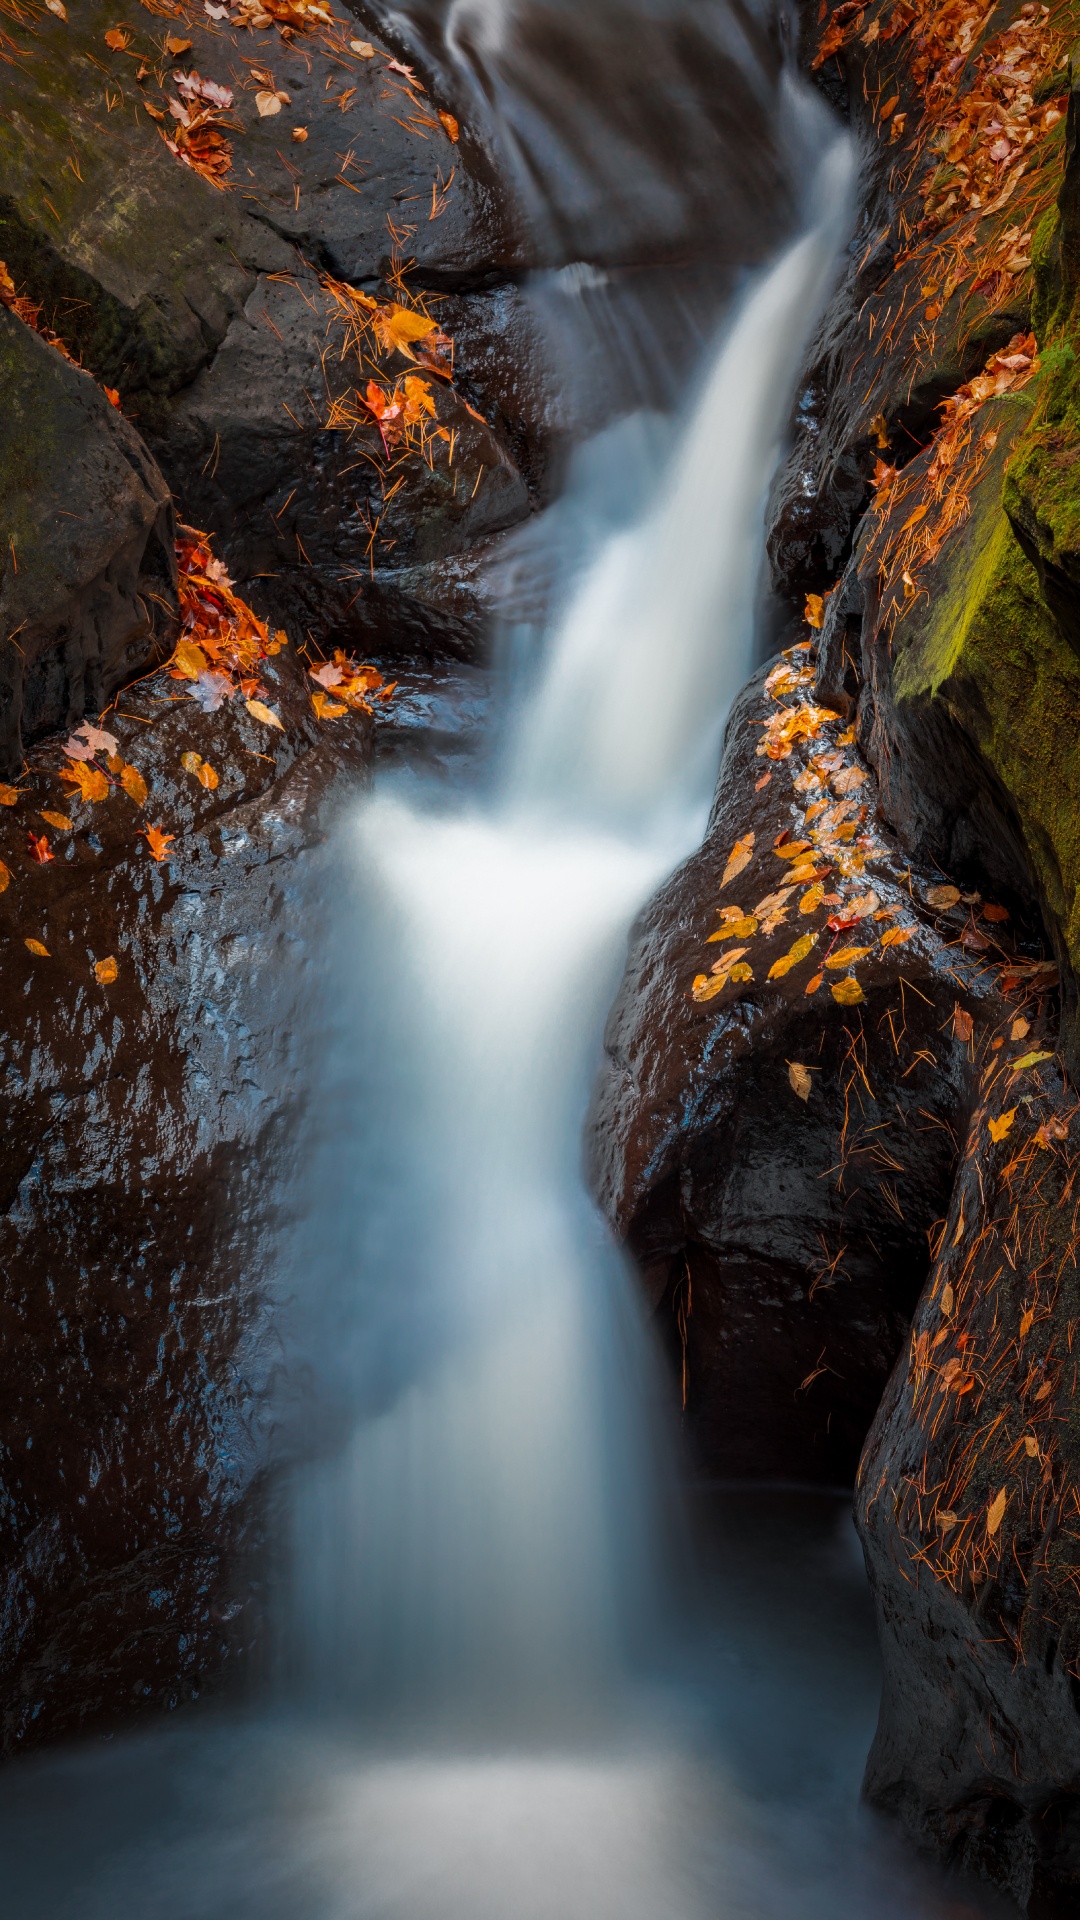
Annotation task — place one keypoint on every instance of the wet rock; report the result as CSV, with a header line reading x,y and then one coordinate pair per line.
x,y
88,578
148,1127
773,1156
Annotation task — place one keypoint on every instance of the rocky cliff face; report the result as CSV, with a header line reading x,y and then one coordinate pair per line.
x,y
835,1189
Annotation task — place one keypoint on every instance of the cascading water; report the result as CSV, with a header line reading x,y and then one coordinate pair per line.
x,y
483,1546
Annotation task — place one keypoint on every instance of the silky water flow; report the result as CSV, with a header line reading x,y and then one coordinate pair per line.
x,y
465,1727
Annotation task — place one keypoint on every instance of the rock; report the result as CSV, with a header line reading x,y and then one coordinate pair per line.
x,y
148,1127
782,1232
88,578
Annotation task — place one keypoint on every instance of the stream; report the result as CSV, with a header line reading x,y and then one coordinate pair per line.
x,y
524,1668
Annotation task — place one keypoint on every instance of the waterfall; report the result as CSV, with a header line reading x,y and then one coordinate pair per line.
x,y
482,1551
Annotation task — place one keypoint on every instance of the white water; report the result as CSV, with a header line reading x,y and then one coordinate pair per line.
x,y
486,1552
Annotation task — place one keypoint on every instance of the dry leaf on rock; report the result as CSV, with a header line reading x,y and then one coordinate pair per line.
x,y
269,103
176,45
157,841
5,878
90,780
943,896
59,820
963,1024
1020,1028
36,946
8,795
450,125
1053,1129
738,859
995,1513
992,912
794,954
813,898
814,983
88,740
133,784
260,711
117,39
846,957
895,936
999,1128
799,1079
105,971
326,708
363,47
738,926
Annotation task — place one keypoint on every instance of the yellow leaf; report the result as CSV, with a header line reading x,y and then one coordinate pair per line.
x,y
799,1079
948,1298
397,327
741,972
848,779
191,762
5,878
207,777
995,1512
792,849
999,1128
895,936
942,896
814,610
794,954
326,708
1018,1066
705,987
188,661
845,957
740,929
35,946
740,857
58,820
260,711
848,992
105,971
133,784
8,795
813,899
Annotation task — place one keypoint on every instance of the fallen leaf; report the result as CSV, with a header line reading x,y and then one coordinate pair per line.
x,y
57,7
794,954
5,878
999,1128
792,849
814,610
8,795
35,946
848,779
848,992
58,820
1053,1129
1026,1060
267,103
211,690
395,66
739,858
188,661
948,1298
963,1024
814,983
157,841
134,785
992,912
1020,1029
1031,1447
451,125
363,47
105,971
117,39
90,781
326,708
39,848
727,960
895,936
87,740
299,134
1026,1321
846,956
206,776
799,1078
260,711
947,1521
397,327
176,45
813,898
995,1512
739,927
191,762
943,896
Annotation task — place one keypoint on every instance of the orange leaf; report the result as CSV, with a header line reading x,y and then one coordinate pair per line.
x,y
794,954
326,708
895,936
814,983
207,777
999,1128
799,1079
59,820
157,841
5,878
105,971
176,45
942,896
963,1024
813,899
739,858
117,39
846,957
35,946
134,785
995,1512
451,125
397,327
90,780
8,795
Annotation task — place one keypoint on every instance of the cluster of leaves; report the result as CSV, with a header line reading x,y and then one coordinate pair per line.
x,y
197,140
223,641
944,485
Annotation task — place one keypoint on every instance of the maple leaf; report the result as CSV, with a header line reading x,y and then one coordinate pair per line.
x,y
328,675
211,690
397,327
188,661
39,848
87,740
117,39
157,841
105,971
739,858
90,780
999,1128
